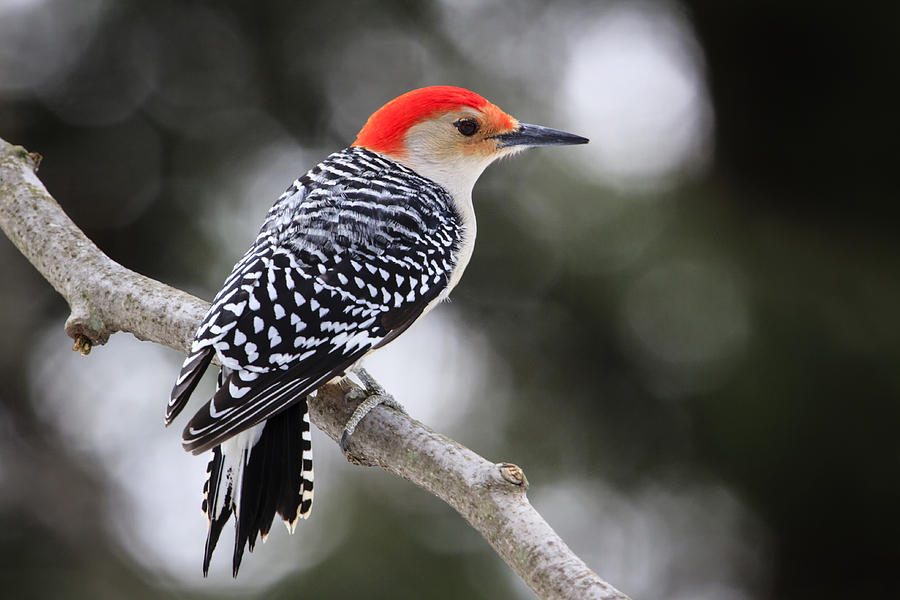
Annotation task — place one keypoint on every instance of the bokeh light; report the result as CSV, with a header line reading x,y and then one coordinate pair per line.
x,y
636,81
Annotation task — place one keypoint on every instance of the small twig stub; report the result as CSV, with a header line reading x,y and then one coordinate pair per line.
x,y
82,344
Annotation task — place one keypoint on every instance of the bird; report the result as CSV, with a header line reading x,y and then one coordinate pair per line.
x,y
355,251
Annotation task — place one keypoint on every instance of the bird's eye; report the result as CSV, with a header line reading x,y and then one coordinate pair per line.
x,y
467,127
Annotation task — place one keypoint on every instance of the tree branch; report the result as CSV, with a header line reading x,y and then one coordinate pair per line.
x,y
105,297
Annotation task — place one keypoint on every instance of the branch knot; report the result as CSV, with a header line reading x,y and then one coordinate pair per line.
x,y
513,474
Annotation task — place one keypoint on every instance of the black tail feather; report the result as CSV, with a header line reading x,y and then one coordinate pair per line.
x,y
272,479
256,482
211,492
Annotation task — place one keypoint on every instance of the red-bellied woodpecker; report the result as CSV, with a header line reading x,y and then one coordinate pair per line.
x,y
349,256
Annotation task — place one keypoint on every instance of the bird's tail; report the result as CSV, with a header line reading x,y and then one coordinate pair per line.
x,y
264,470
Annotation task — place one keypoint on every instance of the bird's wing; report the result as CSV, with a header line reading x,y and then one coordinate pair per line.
x,y
350,277
308,332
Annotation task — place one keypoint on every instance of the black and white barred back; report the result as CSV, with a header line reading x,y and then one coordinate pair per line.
x,y
348,257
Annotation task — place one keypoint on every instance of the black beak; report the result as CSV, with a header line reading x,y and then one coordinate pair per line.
x,y
535,135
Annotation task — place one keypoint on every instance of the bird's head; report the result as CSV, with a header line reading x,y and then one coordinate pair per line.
x,y
450,135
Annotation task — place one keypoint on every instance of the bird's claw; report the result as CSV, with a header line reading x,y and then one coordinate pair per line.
x,y
374,395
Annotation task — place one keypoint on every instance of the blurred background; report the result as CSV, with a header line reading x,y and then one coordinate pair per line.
x,y
685,332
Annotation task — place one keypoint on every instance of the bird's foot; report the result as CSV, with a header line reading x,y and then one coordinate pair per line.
x,y
375,395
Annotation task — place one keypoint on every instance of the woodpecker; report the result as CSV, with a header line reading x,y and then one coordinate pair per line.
x,y
348,257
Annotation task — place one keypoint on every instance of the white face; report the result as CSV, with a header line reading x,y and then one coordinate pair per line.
x,y
454,149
